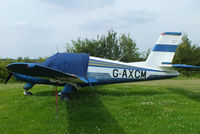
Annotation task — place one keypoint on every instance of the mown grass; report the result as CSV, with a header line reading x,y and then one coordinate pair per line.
x,y
164,106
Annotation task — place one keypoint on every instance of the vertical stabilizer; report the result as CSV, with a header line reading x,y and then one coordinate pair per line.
x,y
164,49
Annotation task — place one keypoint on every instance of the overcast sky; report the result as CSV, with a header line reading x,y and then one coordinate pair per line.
x,y
33,28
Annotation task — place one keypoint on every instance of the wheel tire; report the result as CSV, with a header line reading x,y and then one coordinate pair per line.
x,y
28,93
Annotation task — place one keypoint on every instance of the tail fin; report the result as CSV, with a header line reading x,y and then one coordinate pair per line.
x,y
164,49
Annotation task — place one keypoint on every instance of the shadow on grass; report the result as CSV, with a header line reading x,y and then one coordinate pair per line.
x,y
105,93
129,93
88,115
186,93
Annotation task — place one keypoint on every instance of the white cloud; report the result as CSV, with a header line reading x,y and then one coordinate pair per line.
x,y
22,22
78,4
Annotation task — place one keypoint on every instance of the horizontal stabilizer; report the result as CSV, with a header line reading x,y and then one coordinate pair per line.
x,y
184,66
179,66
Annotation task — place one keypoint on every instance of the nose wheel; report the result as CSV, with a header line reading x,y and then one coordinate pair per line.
x,y
28,86
27,93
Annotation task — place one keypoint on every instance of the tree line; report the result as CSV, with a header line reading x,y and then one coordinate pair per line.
x,y
118,47
110,46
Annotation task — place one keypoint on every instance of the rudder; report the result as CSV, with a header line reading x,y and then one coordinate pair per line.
x,y
164,49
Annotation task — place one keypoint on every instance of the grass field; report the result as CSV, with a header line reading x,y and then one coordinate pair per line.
x,y
165,106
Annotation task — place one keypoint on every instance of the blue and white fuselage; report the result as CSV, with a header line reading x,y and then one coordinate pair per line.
x,y
104,71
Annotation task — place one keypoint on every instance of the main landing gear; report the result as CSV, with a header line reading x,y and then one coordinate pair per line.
x,y
65,94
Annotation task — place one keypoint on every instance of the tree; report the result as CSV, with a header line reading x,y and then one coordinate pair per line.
x,y
129,49
107,46
145,54
189,54
19,59
3,70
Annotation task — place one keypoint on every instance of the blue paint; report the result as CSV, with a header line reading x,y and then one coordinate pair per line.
x,y
122,80
164,48
28,86
88,79
30,79
166,63
120,66
108,63
67,88
111,64
31,65
184,66
71,63
172,33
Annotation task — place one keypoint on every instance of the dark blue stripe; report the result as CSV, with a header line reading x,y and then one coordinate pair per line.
x,y
172,33
165,48
106,62
122,67
109,63
166,63
121,80
184,66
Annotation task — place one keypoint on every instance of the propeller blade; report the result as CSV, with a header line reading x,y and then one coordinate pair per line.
x,y
8,78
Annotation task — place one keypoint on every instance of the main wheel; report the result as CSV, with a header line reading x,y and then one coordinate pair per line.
x,y
65,97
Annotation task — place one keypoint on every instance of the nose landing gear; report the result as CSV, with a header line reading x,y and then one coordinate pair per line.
x,y
28,86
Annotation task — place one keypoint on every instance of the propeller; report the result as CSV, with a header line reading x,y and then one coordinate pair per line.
x,y
8,78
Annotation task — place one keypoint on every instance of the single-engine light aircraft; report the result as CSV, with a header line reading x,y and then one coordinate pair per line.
x,y
79,69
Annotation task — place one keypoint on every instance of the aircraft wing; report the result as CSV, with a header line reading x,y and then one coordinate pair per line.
x,y
39,70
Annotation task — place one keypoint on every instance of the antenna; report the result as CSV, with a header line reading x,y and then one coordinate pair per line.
x,y
122,56
57,49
